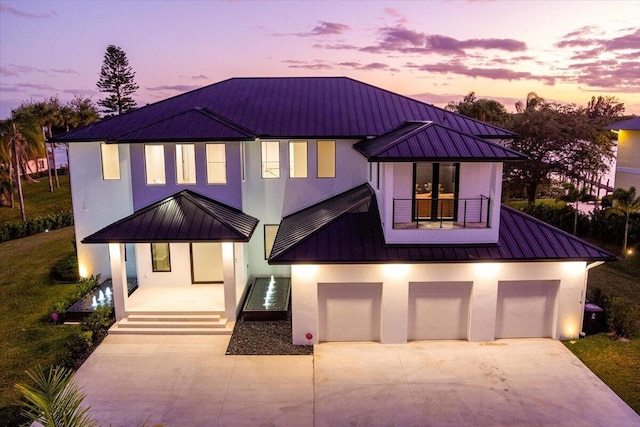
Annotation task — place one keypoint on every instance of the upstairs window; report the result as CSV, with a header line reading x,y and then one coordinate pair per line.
x,y
326,159
270,159
110,161
216,164
154,164
160,259
298,159
185,164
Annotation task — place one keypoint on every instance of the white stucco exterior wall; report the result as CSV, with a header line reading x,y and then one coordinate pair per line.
x,y
485,277
97,202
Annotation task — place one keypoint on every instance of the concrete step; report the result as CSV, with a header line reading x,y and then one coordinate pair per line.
x,y
116,330
174,313
213,317
182,323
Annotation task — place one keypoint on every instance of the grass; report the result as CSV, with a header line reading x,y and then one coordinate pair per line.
x,y
39,201
27,336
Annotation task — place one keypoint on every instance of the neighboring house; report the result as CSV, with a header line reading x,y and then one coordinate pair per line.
x,y
384,211
628,157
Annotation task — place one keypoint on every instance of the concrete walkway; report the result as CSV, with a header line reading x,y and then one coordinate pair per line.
x,y
188,381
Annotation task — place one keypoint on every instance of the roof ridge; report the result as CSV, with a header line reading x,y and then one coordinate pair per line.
x,y
226,121
425,124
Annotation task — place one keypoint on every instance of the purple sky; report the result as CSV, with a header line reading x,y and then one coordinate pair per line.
x,y
437,51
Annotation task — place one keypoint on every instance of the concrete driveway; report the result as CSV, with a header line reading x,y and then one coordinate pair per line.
x,y
188,381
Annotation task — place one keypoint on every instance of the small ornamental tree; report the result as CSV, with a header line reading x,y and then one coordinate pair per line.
x,y
116,79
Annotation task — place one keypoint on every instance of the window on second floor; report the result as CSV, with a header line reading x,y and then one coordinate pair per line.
x,y
110,161
216,164
271,159
326,159
185,164
154,164
298,159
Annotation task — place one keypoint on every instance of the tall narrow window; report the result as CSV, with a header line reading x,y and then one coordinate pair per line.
x,y
185,164
216,164
154,164
298,159
270,232
270,159
160,259
436,190
326,159
110,161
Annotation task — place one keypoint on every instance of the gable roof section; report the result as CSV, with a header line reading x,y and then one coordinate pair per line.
x,y
304,107
350,232
183,217
196,124
428,141
631,124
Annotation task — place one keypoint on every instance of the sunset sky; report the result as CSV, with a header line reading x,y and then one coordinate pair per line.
x,y
436,51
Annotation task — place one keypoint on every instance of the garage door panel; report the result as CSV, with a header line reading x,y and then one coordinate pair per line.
x,y
349,312
525,309
438,310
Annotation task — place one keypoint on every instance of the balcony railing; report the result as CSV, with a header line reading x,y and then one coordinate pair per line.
x,y
442,213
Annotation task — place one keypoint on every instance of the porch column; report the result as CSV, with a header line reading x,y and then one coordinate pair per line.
x,y
229,278
118,279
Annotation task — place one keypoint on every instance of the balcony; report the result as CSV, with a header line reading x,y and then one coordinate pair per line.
x,y
446,213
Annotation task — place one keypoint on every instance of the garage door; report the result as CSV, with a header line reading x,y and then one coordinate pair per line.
x,y
438,310
525,309
349,311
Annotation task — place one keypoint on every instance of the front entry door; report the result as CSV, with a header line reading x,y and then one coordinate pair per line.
x,y
206,262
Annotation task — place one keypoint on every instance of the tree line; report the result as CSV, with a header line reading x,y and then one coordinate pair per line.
x,y
24,135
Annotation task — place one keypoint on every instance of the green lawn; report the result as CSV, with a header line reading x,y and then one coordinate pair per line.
x,y
39,201
27,336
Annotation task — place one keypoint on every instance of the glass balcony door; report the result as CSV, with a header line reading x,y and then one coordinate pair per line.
x,y
435,190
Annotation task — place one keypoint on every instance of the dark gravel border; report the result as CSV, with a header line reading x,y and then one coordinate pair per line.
x,y
272,337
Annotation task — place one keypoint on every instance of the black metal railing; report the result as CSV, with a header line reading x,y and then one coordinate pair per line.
x,y
462,212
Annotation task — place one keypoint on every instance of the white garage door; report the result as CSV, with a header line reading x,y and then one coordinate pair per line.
x,y
349,311
525,309
438,310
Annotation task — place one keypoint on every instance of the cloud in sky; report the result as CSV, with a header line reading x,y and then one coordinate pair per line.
x,y
5,8
11,70
457,67
178,88
324,28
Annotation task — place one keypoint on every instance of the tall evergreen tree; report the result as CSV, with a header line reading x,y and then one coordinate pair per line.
x,y
117,79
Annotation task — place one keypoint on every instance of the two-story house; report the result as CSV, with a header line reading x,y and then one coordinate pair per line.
x,y
628,153
384,211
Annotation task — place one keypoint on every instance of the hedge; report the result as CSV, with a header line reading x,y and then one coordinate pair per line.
x,y
37,225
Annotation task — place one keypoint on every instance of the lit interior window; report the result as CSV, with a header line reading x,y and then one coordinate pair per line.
x,y
326,159
298,159
270,159
216,164
160,259
110,161
154,163
270,232
185,163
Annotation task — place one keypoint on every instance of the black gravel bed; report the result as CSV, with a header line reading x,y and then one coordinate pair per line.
x,y
266,337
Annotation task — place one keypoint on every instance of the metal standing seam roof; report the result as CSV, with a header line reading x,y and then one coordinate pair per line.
x,y
346,229
183,217
294,107
428,141
631,124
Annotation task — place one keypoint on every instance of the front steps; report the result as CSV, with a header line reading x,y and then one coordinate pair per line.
x,y
173,323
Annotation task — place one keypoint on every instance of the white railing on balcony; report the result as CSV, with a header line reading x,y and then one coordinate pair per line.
x,y
424,213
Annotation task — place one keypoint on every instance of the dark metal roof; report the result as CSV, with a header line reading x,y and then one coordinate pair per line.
x,y
196,124
346,229
183,217
428,141
293,107
631,124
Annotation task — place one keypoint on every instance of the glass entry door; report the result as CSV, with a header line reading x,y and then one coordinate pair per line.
x,y
206,262
435,190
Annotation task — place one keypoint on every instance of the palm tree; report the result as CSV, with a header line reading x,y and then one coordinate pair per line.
x,y
625,203
54,400
573,195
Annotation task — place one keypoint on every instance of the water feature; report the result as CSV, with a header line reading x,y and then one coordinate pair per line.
x,y
268,299
101,296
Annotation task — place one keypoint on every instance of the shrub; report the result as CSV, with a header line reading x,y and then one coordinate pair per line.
x,y
98,323
66,270
622,317
77,349
17,230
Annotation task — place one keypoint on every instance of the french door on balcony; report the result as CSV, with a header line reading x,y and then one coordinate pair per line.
x,y
435,195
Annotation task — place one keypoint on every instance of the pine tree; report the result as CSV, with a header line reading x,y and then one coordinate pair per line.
x,y
116,79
